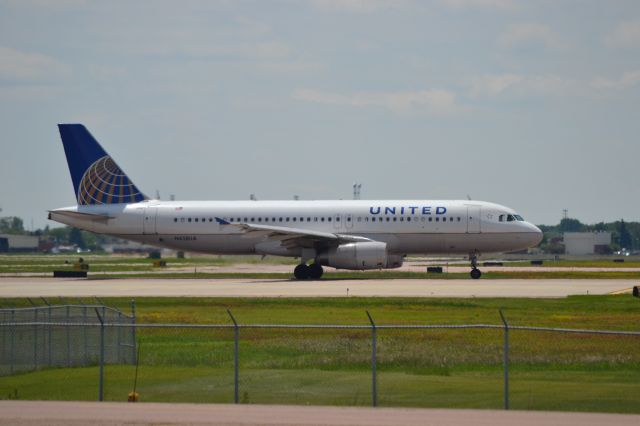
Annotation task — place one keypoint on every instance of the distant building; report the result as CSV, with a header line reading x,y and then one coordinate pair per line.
x,y
18,243
578,243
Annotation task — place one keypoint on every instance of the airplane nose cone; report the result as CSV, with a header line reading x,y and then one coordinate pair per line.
x,y
536,235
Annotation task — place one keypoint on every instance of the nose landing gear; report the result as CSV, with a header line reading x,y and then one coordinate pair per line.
x,y
475,272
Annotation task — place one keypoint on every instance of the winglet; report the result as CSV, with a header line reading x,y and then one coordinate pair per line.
x,y
222,221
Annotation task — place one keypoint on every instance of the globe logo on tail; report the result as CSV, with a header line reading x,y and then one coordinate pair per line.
x,y
105,183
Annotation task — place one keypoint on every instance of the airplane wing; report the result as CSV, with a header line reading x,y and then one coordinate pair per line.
x,y
293,237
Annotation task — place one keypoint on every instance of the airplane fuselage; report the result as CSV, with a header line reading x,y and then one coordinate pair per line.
x,y
407,226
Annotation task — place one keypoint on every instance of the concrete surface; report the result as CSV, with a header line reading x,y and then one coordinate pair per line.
x,y
141,287
111,413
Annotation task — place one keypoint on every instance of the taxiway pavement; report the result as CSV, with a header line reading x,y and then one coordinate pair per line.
x,y
147,287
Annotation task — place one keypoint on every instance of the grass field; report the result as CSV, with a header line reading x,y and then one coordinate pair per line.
x,y
426,368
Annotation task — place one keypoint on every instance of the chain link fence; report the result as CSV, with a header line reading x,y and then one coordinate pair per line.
x,y
63,336
453,366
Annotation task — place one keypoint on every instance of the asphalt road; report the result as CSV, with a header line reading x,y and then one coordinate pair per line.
x,y
142,287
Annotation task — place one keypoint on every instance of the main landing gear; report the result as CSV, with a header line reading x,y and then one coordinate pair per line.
x,y
475,272
304,271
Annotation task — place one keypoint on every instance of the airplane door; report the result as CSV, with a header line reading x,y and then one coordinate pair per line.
x,y
348,221
337,221
149,220
473,219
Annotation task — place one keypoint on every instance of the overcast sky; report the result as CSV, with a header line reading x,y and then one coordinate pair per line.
x,y
531,104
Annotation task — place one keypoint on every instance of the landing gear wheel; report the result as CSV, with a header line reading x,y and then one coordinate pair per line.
x,y
475,273
315,271
301,272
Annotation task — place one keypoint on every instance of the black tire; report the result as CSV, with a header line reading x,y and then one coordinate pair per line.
x,y
315,271
301,272
475,273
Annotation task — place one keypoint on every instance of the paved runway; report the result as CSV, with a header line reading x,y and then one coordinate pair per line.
x,y
112,413
141,287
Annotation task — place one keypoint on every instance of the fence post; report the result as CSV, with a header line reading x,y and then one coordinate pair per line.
x,y
374,375
133,332
84,336
68,327
35,338
101,380
235,358
506,360
13,339
49,333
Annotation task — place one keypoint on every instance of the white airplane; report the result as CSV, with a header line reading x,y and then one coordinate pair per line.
x,y
357,235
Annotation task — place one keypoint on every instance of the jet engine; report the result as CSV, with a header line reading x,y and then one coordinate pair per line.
x,y
361,255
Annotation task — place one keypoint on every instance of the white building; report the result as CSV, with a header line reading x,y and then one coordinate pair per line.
x,y
13,243
579,243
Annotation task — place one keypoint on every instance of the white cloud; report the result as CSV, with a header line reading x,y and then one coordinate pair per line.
x,y
627,80
490,86
480,4
17,65
357,6
530,33
437,102
625,34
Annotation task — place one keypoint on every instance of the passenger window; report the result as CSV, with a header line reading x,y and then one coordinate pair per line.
x,y
189,219
395,219
302,219
273,219
196,219
287,219
315,219
458,218
308,219
437,219
175,219
430,219
259,219
408,219
322,219
501,218
402,219
210,219
279,219
337,218
253,219
388,219
328,219
349,219
294,219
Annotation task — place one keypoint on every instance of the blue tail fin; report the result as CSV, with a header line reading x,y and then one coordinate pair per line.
x,y
97,179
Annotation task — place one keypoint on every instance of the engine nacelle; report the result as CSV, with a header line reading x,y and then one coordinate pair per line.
x,y
364,255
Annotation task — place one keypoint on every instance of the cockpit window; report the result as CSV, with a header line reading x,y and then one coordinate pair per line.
x,y
510,218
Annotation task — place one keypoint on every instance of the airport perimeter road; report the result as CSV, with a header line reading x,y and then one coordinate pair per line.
x,y
111,413
141,287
